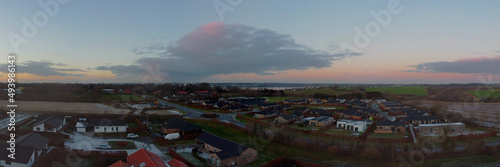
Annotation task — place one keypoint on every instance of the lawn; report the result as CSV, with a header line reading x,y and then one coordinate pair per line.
x,y
401,90
485,93
341,132
310,92
131,124
114,145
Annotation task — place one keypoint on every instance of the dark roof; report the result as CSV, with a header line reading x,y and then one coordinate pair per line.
x,y
288,116
282,107
301,109
320,112
52,120
267,112
236,107
367,110
180,124
386,122
251,101
422,118
228,148
107,122
33,139
269,104
23,153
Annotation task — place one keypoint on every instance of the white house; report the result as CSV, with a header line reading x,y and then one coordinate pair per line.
x,y
356,126
108,125
81,126
48,123
25,156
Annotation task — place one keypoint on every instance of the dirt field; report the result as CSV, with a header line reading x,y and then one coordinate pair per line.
x,y
63,107
486,113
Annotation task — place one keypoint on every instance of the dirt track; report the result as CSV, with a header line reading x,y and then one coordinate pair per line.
x,y
64,107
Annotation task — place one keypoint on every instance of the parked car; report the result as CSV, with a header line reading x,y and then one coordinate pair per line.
x,y
155,135
132,136
103,146
172,136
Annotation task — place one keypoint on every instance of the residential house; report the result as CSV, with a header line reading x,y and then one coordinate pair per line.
x,y
371,113
285,118
295,101
351,125
141,158
301,110
184,128
387,126
266,114
438,128
112,125
283,108
321,121
350,114
24,156
49,123
34,140
416,120
251,102
223,152
269,105
320,112
81,125
237,108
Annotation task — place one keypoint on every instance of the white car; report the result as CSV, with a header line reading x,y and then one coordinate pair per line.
x,y
103,146
132,136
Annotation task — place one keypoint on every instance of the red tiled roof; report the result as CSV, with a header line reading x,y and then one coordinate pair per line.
x,y
176,163
148,158
119,163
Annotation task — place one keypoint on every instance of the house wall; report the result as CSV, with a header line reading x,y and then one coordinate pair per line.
x,y
240,160
40,127
168,131
110,129
208,147
80,129
388,129
439,129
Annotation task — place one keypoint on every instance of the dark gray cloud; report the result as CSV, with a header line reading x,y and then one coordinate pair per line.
x,y
45,68
480,65
218,48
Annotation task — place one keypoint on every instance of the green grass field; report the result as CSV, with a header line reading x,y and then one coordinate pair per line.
x,y
277,99
310,92
403,90
485,93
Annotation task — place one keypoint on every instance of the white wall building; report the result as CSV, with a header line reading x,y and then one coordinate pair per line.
x,y
108,125
356,126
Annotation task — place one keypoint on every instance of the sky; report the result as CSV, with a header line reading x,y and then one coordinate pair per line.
x,y
325,41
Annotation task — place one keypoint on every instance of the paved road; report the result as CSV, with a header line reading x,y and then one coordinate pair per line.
x,y
387,116
195,114
19,117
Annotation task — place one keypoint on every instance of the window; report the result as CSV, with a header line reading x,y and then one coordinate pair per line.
x,y
217,164
215,150
97,127
243,157
212,159
249,155
37,128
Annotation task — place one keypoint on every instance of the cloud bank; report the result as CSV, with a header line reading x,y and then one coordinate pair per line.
x,y
480,65
44,68
219,48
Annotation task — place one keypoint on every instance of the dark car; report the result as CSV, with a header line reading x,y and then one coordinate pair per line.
x,y
155,135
